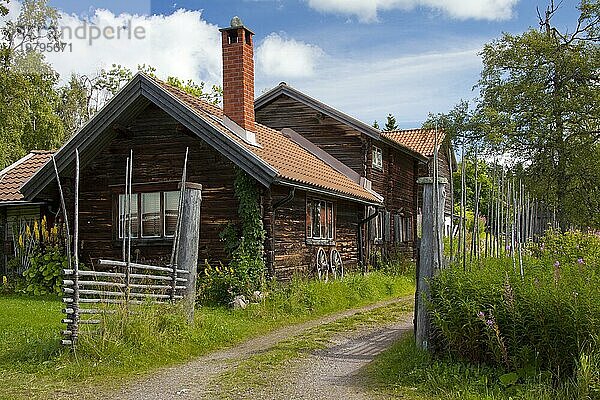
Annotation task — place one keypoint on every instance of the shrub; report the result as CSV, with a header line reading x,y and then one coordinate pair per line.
x,y
39,250
542,320
44,275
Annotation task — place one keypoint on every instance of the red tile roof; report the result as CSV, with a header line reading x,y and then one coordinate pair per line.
x,y
420,140
292,162
13,176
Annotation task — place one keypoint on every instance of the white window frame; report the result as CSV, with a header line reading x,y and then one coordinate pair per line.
x,y
377,158
327,230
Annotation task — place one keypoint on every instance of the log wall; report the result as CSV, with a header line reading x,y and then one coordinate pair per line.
x,y
158,143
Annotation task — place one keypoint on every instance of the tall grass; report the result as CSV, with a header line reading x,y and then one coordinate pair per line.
x,y
407,372
547,320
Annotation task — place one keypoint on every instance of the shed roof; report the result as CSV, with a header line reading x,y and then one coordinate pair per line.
x,y
292,162
422,141
13,176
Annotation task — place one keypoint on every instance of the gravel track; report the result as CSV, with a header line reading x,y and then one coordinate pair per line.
x,y
333,373
192,380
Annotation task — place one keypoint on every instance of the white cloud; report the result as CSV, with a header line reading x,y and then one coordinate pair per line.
x,y
408,87
367,10
181,44
287,58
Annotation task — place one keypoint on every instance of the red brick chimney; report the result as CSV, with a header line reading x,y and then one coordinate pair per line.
x,y
238,77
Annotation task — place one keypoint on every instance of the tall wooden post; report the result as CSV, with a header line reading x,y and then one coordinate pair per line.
x,y
187,246
431,253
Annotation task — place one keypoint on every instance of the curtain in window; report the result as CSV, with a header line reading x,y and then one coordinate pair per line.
x,y
150,214
123,213
171,205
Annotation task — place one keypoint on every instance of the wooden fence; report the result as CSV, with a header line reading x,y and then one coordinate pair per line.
x,y
128,283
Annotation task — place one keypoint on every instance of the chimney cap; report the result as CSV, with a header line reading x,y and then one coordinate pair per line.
x,y
235,24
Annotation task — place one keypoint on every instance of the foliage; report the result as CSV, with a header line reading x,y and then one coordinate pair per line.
x,y
405,371
40,249
28,100
540,102
390,123
33,363
375,124
243,242
545,320
456,123
213,96
487,176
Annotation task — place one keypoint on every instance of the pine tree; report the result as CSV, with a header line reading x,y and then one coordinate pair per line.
x,y
390,124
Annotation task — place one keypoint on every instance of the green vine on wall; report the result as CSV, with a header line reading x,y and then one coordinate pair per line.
x,y
244,243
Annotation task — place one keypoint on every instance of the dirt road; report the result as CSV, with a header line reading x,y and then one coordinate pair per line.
x,y
327,373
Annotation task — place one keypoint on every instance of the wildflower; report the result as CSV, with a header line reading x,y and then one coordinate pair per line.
x,y
556,264
580,261
481,314
489,322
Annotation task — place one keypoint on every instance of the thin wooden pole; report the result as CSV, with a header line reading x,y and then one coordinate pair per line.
x,y
129,233
177,233
463,206
125,211
75,305
451,194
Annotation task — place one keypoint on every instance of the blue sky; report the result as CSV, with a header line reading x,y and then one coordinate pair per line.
x,y
365,57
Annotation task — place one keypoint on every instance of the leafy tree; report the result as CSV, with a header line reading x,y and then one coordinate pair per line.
x,y
458,123
28,99
390,124
3,7
540,103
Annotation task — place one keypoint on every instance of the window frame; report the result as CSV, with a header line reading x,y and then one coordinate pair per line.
x,y
138,194
377,158
326,217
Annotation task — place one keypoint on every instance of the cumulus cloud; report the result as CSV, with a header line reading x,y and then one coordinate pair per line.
x,y
281,57
181,44
367,10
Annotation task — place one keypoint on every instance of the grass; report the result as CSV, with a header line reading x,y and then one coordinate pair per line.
x,y
407,372
33,365
261,370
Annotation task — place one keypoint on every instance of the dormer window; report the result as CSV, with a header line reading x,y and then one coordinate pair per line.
x,y
377,158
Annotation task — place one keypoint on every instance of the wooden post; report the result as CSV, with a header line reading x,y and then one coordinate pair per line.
x,y
430,256
187,245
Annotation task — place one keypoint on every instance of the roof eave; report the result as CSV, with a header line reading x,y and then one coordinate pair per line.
x,y
327,192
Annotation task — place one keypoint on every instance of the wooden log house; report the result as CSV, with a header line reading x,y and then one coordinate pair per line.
x,y
326,180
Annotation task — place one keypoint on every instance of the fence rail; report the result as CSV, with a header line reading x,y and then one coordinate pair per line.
x,y
151,284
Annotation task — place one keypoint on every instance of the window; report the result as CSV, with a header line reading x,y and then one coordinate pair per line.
x,y
378,226
403,228
377,158
171,202
123,221
150,214
153,214
320,219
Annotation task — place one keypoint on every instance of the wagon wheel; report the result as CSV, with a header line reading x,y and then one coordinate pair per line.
x,y
337,267
322,265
